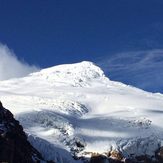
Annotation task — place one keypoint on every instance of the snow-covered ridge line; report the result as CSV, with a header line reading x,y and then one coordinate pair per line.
x,y
84,68
73,74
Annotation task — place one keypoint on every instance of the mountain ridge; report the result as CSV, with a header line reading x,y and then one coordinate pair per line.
x,y
78,111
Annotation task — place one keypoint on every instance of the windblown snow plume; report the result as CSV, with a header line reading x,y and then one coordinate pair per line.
x,y
10,66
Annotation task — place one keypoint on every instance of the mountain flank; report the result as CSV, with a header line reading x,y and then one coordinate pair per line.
x,y
14,147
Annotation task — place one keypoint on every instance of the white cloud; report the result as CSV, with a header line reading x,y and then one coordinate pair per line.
x,y
10,66
143,69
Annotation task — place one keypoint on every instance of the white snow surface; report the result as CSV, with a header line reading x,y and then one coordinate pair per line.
x,y
66,104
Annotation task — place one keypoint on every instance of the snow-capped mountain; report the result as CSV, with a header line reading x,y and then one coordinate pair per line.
x,y
75,110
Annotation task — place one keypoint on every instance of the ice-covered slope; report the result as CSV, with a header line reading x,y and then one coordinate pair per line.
x,y
74,110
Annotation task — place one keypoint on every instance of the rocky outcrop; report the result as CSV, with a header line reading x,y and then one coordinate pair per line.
x,y
117,157
14,147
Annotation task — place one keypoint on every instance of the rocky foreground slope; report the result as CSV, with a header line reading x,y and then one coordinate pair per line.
x,y
14,147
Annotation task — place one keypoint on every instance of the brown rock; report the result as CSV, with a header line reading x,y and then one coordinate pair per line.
x,y
117,155
99,159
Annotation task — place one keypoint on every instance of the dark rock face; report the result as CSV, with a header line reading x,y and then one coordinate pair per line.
x,y
14,147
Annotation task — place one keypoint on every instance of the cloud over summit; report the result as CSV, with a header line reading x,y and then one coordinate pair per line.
x,y
10,66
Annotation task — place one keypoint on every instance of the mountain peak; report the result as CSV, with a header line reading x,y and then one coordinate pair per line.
x,y
76,74
81,67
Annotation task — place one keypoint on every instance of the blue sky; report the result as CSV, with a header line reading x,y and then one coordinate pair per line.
x,y
110,33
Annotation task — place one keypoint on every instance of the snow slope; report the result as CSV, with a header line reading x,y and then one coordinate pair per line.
x,y
75,109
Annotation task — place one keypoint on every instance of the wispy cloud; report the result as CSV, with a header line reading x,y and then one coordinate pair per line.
x,y
143,69
10,66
